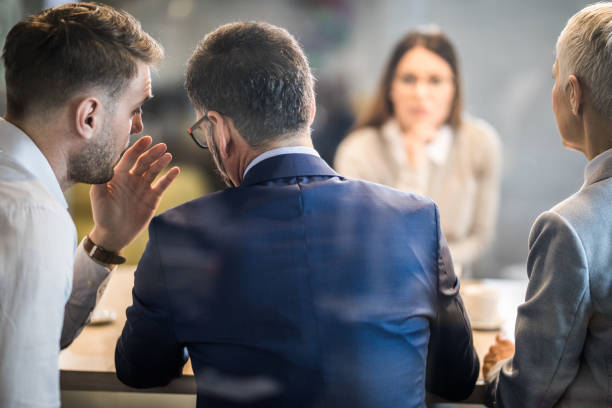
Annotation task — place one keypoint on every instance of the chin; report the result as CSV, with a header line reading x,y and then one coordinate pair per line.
x,y
100,178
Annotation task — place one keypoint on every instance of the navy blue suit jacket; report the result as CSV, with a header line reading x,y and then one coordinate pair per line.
x,y
300,288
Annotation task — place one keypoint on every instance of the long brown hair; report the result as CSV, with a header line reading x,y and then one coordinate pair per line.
x,y
381,108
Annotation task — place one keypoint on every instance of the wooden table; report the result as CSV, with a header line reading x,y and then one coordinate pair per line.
x,y
89,363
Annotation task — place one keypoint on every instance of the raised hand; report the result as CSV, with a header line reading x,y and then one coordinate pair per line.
x,y
415,143
123,207
501,350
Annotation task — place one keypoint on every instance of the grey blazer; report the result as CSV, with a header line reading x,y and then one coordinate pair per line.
x,y
563,330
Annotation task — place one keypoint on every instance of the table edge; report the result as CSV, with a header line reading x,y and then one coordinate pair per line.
x,y
77,380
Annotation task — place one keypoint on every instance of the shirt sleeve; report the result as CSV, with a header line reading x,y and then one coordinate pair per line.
x,y
88,284
36,253
551,325
148,353
486,201
452,362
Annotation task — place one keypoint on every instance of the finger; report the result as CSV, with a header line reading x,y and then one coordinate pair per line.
x,y
492,350
146,159
131,155
165,181
156,168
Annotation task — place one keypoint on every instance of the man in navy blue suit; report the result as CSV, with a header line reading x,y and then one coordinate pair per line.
x,y
295,286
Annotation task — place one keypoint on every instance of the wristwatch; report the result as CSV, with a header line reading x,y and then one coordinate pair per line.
x,y
101,255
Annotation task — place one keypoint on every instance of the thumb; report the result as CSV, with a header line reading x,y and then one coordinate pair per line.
x,y
97,190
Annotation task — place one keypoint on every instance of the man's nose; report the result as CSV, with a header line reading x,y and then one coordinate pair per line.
x,y
137,125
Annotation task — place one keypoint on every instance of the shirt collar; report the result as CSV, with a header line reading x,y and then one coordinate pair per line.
x,y
598,168
18,146
277,152
439,148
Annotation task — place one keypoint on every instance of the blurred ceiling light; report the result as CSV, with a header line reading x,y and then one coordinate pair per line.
x,y
179,9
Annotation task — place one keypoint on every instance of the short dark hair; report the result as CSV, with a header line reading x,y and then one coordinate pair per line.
x,y
435,41
257,75
51,56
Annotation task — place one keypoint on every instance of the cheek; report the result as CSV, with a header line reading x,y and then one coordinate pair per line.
x,y
557,108
396,94
122,131
443,102
403,99
561,117
128,126
554,99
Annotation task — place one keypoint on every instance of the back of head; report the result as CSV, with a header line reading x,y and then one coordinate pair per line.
x,y
257,75
52,56
584,49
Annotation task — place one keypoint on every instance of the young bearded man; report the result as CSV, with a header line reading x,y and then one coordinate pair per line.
x,y
76,78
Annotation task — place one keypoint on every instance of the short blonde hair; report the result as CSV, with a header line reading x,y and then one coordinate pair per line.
x,y
584,49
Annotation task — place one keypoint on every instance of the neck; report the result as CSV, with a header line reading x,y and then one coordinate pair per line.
x,y
597,135
252,152
48,138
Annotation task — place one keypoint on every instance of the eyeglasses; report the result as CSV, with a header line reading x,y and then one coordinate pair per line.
x,y
197,133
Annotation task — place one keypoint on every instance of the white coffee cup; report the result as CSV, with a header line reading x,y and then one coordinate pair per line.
x,y
482,305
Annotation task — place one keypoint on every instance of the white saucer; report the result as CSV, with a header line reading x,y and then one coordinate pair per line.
x,y
102,316
490,325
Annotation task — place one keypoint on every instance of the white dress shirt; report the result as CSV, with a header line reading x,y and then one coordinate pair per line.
x,y
277,152
39,293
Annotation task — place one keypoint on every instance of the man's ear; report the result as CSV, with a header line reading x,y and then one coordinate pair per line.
x,y
575,94
88,116
221,132
313,111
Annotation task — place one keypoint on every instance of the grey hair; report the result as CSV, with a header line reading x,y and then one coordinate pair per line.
x,y
256,74
584,49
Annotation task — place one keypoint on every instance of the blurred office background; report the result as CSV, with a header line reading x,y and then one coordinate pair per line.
x,y
506,51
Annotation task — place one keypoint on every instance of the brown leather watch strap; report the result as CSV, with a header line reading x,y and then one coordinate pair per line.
x,y
101,255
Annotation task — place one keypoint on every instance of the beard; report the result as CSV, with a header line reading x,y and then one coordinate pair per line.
x,y
94,163
217,159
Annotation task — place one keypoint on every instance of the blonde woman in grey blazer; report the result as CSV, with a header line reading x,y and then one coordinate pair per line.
x,y
563,332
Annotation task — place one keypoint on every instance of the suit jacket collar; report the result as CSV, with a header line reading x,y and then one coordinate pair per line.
x,y
599,168
287,165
